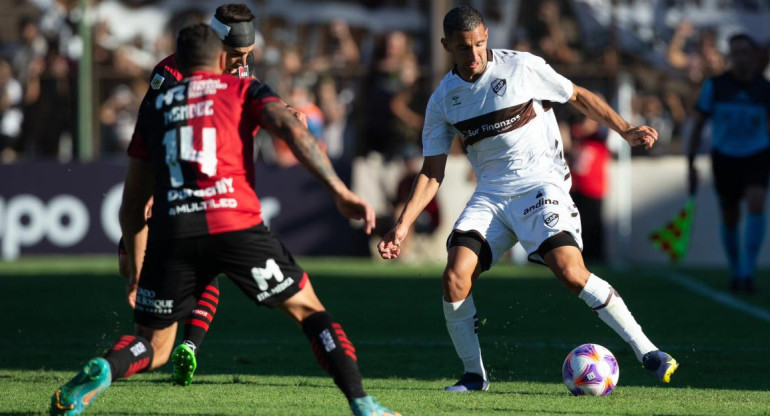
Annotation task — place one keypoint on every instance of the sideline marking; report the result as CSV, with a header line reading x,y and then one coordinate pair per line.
x,y
720,297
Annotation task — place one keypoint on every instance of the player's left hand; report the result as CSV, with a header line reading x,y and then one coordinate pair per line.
x,y
641,136
355,208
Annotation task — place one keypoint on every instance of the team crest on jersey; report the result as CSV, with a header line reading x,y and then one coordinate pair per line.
x,y
499,86
551,219
157,81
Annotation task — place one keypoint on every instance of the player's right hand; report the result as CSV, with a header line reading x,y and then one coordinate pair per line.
x,y
354,207
390,245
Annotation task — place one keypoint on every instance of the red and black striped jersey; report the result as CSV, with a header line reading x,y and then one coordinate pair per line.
x,y
198,135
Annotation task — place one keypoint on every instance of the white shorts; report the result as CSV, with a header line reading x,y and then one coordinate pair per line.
x,y
529,218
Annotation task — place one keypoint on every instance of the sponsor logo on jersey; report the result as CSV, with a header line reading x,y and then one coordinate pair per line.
x,y
456,100
551,219
541,202
157,81
499,86
495,123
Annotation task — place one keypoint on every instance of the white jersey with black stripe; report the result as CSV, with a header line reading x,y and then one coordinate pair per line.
x,y
512,141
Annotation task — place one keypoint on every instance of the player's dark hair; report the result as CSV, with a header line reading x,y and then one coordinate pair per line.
x,y
743,37
197,46
233,13
462,19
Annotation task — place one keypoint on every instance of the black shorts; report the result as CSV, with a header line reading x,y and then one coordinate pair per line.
x,y
176,271
732,175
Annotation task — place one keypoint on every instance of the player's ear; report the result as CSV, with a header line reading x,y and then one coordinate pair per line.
x,y
445,44
222,62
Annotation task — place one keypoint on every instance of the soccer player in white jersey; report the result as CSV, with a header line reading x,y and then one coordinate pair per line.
x,y
499,101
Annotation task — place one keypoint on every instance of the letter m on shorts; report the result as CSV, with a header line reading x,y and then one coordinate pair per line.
x,y
271,271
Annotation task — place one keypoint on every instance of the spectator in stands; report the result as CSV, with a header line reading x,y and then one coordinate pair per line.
x,y
335,106
117,118
547,35
695,53
589,161
340,51
49,107
31,45
11,98
379,164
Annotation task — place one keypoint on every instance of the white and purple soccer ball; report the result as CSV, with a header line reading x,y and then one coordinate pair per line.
x,y
590,369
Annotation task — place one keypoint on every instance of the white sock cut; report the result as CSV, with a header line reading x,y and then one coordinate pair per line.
x,y
462,324
607,303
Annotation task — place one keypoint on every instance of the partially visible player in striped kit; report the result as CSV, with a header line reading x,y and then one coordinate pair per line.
x,y
192,154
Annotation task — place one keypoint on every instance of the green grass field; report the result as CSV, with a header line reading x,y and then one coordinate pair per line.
x,y
60,312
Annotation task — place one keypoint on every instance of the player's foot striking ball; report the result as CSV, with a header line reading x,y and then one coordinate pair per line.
x,y
660,363
75,396
184,362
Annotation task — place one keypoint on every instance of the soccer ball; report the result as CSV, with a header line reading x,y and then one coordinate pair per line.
x,y
590,369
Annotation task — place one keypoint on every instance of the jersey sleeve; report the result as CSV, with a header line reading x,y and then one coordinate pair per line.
x,y
137,148
546,83
257,95
437,133
705,103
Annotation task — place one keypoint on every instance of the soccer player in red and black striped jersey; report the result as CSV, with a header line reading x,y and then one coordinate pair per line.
x,y
192,154
233,23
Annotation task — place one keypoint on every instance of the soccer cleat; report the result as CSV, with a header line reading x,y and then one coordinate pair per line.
x,y
469,382
369,406
75,396
660,363
184,362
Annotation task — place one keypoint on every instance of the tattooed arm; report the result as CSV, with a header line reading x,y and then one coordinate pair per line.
x,y
279,121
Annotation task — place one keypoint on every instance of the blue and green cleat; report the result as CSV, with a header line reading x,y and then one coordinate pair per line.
x,y
184,365
661,364
75,396
369,406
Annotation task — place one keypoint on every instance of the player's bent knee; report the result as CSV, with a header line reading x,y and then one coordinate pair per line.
x,y
162,340
303,304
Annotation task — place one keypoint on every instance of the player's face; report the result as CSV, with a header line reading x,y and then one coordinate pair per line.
x,y
236,58
469,51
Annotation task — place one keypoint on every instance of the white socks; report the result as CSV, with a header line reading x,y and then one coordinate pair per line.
x,y
463,324
607,303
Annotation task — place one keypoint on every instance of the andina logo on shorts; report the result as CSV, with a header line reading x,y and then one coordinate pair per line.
x,y
541,202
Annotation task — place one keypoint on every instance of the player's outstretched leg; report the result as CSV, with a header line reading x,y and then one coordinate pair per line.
x,y
196,326
463,326
76,395
130,355
612,310
336,354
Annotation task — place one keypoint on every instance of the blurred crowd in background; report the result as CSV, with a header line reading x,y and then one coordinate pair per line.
x,y
362,79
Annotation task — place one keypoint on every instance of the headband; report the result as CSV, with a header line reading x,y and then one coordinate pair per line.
x,y
235,34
